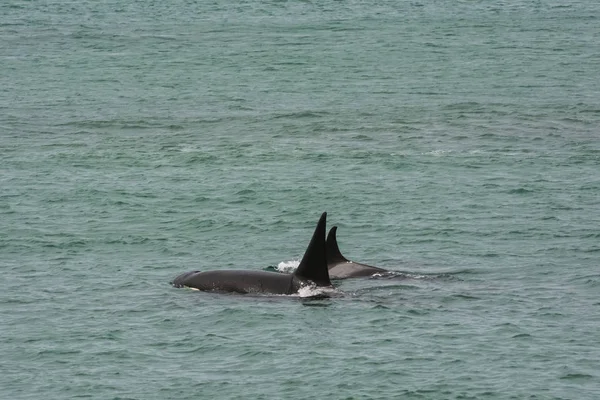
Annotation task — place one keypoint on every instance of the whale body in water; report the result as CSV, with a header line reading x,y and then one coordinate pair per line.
x,y
312,271
340,267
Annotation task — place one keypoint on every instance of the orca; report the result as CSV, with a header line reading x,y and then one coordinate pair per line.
x,y
311,271
340,267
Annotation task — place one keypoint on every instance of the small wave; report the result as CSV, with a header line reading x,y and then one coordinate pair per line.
x,y
465,297
301,114
61,352
417,276
311,291
592,279
184,148
577,376
438,153
520,191
398,275
246,192
375,289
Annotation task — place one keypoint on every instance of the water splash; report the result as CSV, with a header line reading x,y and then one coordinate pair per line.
x,y
287,267
314,291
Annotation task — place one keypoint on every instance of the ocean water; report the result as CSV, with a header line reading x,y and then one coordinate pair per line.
x,y
454,142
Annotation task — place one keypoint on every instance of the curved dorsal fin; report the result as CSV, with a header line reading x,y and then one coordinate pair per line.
x,y
314,263
334,256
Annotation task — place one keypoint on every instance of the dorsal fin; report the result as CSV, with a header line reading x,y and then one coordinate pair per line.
x,y
314,263
334,256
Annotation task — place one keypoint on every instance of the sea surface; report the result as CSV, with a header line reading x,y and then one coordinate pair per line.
x,y
456,143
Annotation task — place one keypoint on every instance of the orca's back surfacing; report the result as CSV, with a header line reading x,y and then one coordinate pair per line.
x,y
312,270
238,281
339,267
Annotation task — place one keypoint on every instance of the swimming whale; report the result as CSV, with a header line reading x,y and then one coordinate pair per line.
x,y
312,270
340,267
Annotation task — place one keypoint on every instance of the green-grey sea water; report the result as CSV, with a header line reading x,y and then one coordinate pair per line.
x,y
456,142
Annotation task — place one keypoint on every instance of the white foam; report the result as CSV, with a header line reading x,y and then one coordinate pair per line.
x,y
188,148
315,291
288,266
438,152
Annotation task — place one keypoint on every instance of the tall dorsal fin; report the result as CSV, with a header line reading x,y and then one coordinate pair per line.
x,y
314,263
334,256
